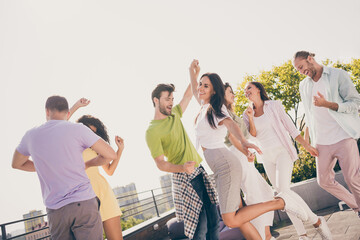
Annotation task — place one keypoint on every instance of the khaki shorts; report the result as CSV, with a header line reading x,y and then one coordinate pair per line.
x,y
77,220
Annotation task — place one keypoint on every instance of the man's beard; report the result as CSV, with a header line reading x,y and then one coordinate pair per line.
x,y
163,111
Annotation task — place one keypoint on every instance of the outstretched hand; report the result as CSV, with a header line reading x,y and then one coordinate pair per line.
x,y
313,151
248,145
189,167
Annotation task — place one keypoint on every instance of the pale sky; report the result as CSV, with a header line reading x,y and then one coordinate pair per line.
x,y
116,52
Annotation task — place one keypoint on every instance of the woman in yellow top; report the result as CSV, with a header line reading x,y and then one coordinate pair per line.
x,y
109,208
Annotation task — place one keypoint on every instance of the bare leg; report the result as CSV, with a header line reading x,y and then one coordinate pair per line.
x,y
249,231
245,214
248,213
267,233
112,228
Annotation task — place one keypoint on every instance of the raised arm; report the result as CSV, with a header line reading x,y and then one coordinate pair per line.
x,y
184,103
110,168
82,102
105,154
165,166
250,114
234,129
194,70
22,162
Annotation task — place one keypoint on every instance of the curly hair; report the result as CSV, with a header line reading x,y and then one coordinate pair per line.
x,y
101,130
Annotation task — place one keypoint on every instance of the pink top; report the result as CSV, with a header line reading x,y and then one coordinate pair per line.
x,y
274,111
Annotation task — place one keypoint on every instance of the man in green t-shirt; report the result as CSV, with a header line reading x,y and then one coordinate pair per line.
x,y
194,194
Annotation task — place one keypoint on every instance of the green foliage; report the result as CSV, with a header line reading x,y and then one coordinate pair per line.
x,y
353,68
304,167
130,222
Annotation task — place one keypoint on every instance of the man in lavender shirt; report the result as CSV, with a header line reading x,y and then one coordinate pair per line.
x,y
56,150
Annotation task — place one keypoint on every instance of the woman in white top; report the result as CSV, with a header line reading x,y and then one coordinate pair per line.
x,y
212,125
253,185
269,123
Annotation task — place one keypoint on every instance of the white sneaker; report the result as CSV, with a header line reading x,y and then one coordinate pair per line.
x,y
304,238
324,230
292,207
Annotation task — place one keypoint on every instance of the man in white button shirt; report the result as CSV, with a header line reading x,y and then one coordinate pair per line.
x,y
331,104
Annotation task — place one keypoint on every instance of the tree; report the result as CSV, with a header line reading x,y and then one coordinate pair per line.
x,y
353,68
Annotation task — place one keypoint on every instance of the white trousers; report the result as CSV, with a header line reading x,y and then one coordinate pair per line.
x,y
256,190
278,166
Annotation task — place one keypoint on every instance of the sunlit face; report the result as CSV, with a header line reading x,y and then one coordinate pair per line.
x,y
205,89
251,92
229,96
166,103
305,67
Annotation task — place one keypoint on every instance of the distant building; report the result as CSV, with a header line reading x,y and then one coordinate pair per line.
x,y
128,200
42,234
30,224
167,196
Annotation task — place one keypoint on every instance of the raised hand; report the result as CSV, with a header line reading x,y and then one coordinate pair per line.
x,y
249,112
119,143
189,167
82,102
194,67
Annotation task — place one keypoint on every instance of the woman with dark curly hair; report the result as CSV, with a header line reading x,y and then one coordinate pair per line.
x,y
109,208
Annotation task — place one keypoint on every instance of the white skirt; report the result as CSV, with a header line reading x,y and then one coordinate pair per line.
x,y
255,189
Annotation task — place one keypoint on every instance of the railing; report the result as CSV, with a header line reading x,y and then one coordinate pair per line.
x,y
149,201
135,209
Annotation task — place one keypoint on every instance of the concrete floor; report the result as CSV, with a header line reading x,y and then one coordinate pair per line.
x,y
344,225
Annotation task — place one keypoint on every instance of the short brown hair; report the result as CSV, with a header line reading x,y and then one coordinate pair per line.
x,y
303,54
57,103
156,93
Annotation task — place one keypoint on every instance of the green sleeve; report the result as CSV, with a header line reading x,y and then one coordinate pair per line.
x,y
177,110
154,144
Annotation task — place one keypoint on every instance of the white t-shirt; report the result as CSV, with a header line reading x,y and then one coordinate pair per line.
x,y
265,133
327,130
209,137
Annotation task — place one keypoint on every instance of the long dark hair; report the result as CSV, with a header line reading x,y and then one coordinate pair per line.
x,y
101,130
228,105
216,100
263,93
